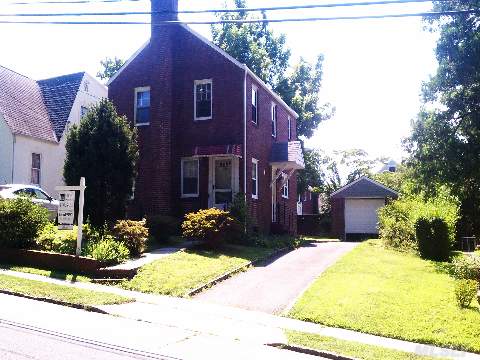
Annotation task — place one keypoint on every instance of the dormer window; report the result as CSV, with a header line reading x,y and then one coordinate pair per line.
x,y
203,99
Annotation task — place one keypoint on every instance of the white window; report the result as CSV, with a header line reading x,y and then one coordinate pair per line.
x,y
285,189
274,120
289,128
142,106
203,99
255,178
36,169
190,178
83,111
254,105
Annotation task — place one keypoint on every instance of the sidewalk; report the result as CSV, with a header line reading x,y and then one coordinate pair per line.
x,y
234,323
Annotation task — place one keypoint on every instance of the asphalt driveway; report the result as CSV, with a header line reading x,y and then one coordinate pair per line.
x,y
273,287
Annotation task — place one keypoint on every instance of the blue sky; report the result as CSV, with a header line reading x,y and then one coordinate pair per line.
x,y
373,68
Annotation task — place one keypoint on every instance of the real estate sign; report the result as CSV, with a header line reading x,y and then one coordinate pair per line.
x,y
66,210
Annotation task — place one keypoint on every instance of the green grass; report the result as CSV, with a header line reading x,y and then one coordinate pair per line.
x,y
350,348
384,292
182,272
38,289
54,274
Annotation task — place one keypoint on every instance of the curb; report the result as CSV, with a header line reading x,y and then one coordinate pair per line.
x,y
308,351
229,274
56,302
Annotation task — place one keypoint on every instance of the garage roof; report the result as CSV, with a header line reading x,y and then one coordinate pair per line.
x,y
364,188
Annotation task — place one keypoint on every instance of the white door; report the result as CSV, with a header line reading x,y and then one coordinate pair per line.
x,y
222,183
361,215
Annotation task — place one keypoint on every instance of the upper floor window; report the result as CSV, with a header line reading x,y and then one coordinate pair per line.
x,y
289,128
83,111
142,106
254,105
285,189
203,99
36,169
190,177
255,178
274,120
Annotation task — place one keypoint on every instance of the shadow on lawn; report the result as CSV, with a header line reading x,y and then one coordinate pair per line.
x,y
54,274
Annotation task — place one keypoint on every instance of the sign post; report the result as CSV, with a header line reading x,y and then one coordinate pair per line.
x,y
66,210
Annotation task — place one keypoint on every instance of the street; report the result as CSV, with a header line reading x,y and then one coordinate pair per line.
x,y
35,330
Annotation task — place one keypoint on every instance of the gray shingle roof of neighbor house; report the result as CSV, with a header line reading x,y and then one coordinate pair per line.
x,y
364,188
59,94
288,154
22,106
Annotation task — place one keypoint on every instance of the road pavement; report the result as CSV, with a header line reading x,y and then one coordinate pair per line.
x,y
273,288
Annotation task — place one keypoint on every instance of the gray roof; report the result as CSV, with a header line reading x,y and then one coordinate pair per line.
x,y
364,188
288,153
22,106
59,94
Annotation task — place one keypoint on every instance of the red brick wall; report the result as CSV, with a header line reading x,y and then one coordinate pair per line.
x,y
338,218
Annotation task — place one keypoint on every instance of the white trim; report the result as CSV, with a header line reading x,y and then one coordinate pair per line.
x,y
195,84
255,164
186,196
254,89
273,120
136,91
127,63
366,178
243,66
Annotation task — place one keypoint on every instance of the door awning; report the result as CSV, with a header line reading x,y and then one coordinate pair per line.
x,y
217,150
287,156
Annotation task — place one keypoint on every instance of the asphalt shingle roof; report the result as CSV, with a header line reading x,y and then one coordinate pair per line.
x,y
22,106
365,188
59,94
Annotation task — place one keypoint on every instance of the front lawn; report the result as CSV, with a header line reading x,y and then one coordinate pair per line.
x,y
54,274
38,289
182,272
350,348
385,292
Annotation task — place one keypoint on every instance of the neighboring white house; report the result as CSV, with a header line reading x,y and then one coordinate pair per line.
x,y
390,166
35,117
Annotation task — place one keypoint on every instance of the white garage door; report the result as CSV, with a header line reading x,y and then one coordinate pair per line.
x,y
361,215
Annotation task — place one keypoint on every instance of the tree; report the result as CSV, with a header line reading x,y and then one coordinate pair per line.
x,y
104,150
357,163
314,173
266,54
445,141
109,67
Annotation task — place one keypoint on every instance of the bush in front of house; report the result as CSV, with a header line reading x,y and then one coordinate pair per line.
x,y
433,239
107,250
20,222
162,227
60,241
212,226
465,292
132,234
467,267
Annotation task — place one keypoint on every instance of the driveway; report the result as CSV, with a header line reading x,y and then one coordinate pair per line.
x,y
273,287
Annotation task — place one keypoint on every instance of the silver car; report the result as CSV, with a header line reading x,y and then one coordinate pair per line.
x,y
38,196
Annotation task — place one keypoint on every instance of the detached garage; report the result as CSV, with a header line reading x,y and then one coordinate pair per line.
x,y
355,208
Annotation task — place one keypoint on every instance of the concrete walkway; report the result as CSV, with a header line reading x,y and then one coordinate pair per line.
x,y
251,327
146,258
273,287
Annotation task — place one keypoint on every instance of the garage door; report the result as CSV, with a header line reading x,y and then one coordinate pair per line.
x,y
361,215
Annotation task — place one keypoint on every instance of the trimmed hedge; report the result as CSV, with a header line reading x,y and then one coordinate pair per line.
x,y
162,227
433,239
132,234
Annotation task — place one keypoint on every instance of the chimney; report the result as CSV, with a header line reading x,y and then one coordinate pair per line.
x,y
164,10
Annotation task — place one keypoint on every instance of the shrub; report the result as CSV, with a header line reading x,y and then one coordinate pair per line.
x,y
278,241
132,234
465,292
467,267
161,227
59,241
213,226
433,239
107,250
20,222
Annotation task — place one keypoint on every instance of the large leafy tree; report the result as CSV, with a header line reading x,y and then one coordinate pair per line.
x,y
110,66
104,150
445,141
267,55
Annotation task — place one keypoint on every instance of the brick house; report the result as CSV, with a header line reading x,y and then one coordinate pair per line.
x,y
208,129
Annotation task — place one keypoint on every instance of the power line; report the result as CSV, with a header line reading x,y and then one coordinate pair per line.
x,y
69,2
250,21
262,9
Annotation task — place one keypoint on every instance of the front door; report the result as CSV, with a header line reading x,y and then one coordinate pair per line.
x,y
222,183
